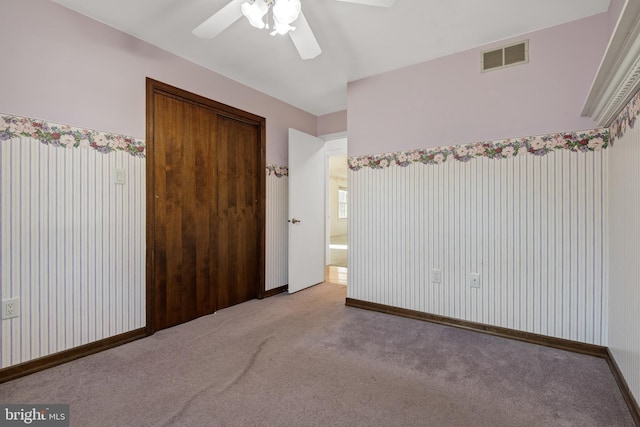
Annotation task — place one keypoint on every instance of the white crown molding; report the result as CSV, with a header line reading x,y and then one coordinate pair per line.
x,y
618,77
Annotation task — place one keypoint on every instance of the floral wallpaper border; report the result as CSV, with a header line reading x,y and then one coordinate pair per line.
x,y
626,119
278,171
65,136
581,141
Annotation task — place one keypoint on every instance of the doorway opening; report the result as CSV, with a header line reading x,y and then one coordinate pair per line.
x,y
337,214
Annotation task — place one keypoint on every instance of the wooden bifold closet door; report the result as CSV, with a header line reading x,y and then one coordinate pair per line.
x,y
205,206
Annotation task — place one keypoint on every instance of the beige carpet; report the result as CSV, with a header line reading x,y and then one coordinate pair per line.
x,y
307,360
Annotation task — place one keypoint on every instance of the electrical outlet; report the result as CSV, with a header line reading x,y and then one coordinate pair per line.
x,y
474,280
10,308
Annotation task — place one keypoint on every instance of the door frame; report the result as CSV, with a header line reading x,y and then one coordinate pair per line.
x,y
335,144
154,87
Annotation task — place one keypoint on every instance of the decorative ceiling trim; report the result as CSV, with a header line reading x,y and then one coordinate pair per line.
x,y
618,78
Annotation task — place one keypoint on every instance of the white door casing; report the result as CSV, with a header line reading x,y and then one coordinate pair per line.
x,y
306,210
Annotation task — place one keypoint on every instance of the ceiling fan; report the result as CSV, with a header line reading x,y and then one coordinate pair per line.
x,y
284,13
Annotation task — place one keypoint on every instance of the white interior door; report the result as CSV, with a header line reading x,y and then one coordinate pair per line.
x,y
306,210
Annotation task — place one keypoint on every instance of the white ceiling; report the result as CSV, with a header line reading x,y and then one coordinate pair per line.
x,y
357,41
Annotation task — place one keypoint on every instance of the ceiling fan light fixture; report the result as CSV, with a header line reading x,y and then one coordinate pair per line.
x,y
286,11
255,11
280,28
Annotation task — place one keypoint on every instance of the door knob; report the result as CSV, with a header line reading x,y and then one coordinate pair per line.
x,y
295,221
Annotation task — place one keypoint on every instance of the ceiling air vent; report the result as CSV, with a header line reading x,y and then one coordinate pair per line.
x,y
505,56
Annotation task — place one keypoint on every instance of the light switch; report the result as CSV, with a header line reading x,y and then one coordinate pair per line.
x,y
436,275
119,176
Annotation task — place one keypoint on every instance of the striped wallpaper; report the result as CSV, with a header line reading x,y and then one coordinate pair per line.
x,y
533,227
624,246
73,246
73,241
277,229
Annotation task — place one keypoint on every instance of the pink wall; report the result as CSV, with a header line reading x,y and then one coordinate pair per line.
x,y
332,123
615,9
449,101
64,67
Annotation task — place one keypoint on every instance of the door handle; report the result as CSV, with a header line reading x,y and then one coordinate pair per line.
x,y
294,221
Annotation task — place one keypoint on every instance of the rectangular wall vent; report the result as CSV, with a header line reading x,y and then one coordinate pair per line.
x,y
505,56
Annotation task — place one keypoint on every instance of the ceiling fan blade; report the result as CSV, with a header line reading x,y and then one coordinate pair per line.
x,y
379,3
220,20
304,40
